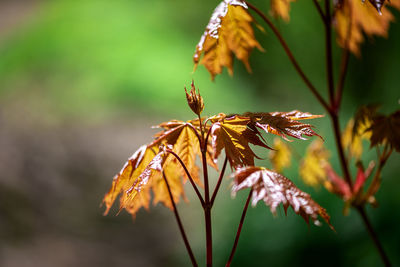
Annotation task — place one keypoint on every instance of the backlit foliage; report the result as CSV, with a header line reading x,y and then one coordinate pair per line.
x,y
172,156
228,32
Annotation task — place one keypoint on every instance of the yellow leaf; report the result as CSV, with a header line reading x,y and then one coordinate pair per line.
x,y
355,18
312,168
281,8
280,156
352,138
229,31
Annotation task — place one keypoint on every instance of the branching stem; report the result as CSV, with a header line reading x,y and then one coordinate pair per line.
x,y
290,55
188,175
180,225
221,175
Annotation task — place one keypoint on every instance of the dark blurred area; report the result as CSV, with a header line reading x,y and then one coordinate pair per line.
x,y
81,84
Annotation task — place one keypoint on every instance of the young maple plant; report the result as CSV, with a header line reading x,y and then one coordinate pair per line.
x,y
229,32
164,165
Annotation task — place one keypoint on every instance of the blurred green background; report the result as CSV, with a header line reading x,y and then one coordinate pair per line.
x,y
81,84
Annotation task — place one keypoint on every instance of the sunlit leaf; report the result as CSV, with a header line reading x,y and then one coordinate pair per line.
x,y
281,8
181,136
233,135
280,156
228,32
312,167
274,189
284,124
354,18
127,176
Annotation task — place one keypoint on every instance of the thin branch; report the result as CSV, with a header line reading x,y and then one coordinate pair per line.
x,y
328,52
339,147
373,236
221,175
180,225
239,229
189,176
291,57
343,64
342,76
319,9
195,131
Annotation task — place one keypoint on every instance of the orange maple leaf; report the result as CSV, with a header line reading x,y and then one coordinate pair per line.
x,y
281,8
228,31
353,18
233,135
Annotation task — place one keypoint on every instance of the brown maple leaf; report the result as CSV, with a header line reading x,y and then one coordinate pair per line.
x,y
386,129
353,18
229,31
283,124
274,189
281,8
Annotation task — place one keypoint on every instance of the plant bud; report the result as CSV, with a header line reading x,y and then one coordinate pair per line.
x,y
194,100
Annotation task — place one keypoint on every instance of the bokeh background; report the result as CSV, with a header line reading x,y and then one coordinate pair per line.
x,y
81,84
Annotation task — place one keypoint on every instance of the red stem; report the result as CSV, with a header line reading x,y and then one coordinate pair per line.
x,y
239,230
180,225
189,176
328,53
221,175
207,206
373,236
290,55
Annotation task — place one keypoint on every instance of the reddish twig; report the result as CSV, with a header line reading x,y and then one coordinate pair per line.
x,y
180,225
290,55
373,236
239,230
221,175
189,176
328,52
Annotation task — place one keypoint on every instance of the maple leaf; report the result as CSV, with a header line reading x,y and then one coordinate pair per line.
x,y
379,128
386,129
312,167
127,176
280,156
274,189
228,31
151,177
353,135
281,8
233,135
181,136
283,124
353,18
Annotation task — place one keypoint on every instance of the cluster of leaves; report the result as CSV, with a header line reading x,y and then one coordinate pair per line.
x,y
230,31
171,158
383,133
